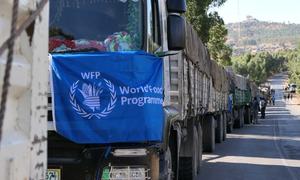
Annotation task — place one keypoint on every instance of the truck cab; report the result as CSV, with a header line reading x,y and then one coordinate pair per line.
x,y
152,26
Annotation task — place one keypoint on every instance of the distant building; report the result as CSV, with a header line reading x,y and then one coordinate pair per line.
x,y
250,18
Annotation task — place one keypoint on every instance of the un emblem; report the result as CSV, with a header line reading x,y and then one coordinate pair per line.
x,y
91,104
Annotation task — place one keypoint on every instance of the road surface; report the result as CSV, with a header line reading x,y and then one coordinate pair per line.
x,y
269,150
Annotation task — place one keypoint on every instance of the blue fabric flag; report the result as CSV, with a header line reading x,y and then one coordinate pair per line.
x,y
107,98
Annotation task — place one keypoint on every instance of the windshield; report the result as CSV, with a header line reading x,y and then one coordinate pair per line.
x,y
101,25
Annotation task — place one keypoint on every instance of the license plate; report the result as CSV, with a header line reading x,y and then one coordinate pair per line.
x,y
53,174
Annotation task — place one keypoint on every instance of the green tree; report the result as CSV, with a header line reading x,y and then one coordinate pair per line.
x,y
260,66
240,64
256,69
298,47
211,28
218,49
197,14
294,67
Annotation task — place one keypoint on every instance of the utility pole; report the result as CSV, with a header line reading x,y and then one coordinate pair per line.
x,y
239,21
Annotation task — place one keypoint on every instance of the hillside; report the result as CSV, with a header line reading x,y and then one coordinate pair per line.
x,y
253,36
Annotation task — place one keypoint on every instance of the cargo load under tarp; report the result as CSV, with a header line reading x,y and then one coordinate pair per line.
x,y
107,97
225,81
239,81
254,89
196,51
216,73
220,77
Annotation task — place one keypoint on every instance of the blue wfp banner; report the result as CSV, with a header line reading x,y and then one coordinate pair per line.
x,y
107,97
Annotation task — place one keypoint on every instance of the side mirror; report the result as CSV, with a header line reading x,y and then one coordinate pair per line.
x,y
176,32
176,6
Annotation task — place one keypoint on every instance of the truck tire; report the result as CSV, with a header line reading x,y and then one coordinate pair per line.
x,y
247,115
165,166
230,128
239,121
236,118
251,117
242,117
230,122
200,145
208,128
219,129
224,126
185,168
188,166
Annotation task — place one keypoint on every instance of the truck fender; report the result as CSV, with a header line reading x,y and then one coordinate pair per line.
x,y
171,127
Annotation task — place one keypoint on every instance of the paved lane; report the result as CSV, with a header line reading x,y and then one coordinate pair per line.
x,y
269,150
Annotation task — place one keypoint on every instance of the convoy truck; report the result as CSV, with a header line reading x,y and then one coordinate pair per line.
x,y
187,104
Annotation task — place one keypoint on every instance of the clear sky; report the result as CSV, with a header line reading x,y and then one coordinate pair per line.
x,y
265,10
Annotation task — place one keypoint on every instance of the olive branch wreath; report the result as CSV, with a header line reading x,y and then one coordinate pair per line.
x,y
111,105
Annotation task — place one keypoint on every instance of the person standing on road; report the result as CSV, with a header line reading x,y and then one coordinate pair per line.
x,y
284,97
273,100
291,96
255,105
288,96
262,105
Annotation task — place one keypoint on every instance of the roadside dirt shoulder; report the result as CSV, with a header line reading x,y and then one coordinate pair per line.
x,y
294,105
295,100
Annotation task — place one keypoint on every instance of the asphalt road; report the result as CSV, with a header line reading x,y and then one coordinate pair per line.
x,y
269,150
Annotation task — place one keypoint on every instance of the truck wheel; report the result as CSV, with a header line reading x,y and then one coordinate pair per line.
x,y
242,117
224,126
239,121
195,153
200,146
185,168
219,130
247,115
188,166
166,170
230,128
236,118
251,117
230,124
208,128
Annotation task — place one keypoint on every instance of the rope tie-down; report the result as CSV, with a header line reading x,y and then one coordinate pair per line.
x,y
9,45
